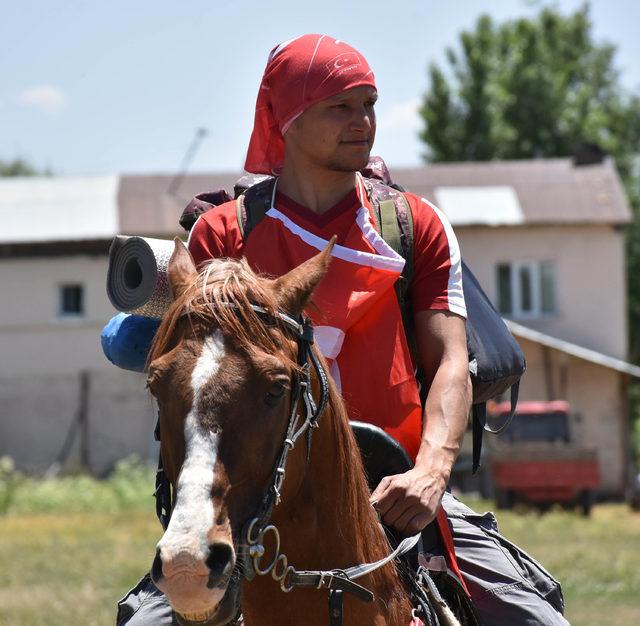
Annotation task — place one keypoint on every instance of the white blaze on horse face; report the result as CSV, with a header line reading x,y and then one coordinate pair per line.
x,y
185,540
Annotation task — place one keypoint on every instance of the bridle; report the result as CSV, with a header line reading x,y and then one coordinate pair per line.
x,y
303,418
301,393
254,532
301,396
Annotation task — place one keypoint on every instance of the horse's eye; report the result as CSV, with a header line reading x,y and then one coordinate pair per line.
x,y
275,393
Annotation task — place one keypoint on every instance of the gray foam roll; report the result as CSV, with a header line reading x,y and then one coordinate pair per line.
x,y
137,280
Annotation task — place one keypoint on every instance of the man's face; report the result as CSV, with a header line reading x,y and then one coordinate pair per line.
x,y
336,134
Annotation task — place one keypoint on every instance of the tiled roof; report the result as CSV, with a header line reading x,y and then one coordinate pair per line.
x,y
545,191
152,205
548,191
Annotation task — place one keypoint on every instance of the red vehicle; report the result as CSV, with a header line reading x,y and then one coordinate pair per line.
x,y
535,460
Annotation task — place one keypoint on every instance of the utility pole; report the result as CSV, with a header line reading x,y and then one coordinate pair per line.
x,y
83,419
201,133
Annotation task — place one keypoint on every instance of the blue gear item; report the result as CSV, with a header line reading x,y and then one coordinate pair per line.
x,y
126,340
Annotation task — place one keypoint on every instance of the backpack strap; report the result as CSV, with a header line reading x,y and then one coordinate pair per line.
x,y
253,204
394,221
479,412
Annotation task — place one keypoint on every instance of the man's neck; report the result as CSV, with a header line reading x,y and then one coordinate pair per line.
x,y
317,190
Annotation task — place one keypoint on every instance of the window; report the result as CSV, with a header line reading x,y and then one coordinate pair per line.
x,y
71,301
526,289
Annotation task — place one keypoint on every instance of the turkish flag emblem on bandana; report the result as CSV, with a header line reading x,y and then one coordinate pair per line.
x,y
357,318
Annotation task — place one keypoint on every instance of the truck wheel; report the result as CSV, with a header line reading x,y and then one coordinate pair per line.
x,y
586,502
505,498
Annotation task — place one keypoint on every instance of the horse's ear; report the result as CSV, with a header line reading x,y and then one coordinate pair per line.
x,y
295,288
182,269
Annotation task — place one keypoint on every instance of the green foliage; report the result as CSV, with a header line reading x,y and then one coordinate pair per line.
x,y
634,402
9,479
129,486
20,167
529,88
539,87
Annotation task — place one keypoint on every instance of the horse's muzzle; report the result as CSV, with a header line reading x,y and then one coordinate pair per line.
x,y
197,588
226,611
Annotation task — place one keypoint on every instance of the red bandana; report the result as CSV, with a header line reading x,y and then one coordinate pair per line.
x,y
299,74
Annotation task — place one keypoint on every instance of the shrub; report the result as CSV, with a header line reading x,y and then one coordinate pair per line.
x,y
129,486
9,479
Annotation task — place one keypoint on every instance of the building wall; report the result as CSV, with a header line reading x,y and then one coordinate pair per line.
x,y
37,412
41,357
590,277
33,338
597,402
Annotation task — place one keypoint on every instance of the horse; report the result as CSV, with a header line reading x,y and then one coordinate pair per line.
x,y
254,488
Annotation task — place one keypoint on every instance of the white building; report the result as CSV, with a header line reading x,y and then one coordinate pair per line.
x,y
543,237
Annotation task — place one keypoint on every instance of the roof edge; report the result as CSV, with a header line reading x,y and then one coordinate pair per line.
x,y
580,352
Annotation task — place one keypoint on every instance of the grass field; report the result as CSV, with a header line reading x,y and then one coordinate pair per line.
x,y
66,559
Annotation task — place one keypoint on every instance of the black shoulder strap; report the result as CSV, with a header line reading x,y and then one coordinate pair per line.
x,y
479,412
253,204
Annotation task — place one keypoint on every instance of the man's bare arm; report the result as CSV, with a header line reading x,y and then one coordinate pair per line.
x,y
410,501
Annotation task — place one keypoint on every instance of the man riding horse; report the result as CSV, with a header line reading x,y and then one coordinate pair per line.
x,y
314,129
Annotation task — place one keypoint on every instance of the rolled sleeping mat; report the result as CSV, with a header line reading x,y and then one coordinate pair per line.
x,y
137,279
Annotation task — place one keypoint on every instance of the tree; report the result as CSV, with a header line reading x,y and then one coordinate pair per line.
x,y
529,88
539,87
20,167
532,88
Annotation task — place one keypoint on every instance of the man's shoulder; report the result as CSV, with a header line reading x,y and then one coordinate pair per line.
x,y
216,233
219,215
419,203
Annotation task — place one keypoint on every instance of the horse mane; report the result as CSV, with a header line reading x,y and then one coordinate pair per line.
x,y
222,294
372,545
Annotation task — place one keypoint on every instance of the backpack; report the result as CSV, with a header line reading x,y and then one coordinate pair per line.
x,y
496,362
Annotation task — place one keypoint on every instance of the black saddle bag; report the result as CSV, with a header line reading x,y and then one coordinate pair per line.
x,y
496,361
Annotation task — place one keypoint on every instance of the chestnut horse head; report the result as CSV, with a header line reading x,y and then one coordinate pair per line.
x,y
221,372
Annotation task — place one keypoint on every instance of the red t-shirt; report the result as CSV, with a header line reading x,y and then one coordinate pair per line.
x,y
436,282
437,274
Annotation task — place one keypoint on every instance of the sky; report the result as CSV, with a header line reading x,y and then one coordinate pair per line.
x,y
92,88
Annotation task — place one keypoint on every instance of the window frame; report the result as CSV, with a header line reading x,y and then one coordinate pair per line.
x,y
82,312
534,268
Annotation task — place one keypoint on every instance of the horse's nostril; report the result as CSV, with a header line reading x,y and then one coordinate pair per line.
x,y
156,568
220,560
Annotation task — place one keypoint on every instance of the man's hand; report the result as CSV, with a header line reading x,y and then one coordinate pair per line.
x,y
409,502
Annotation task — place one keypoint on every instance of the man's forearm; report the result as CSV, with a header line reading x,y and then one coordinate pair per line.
x,y
411,500
445,418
